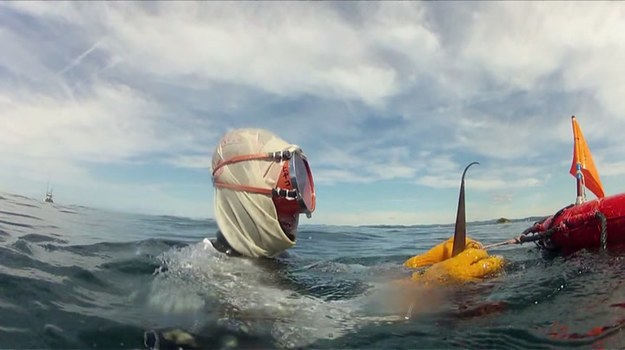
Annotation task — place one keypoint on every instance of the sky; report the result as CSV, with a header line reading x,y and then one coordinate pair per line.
x,y
119,105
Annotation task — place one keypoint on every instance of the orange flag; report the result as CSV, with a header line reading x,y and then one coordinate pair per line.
x,y
582,156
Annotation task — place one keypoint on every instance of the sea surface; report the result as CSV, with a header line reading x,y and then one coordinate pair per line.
x,y
78,277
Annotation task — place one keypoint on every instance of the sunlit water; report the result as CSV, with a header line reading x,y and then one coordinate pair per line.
x,y
76,277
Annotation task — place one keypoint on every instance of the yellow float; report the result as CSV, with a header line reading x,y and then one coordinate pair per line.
x,y
458,259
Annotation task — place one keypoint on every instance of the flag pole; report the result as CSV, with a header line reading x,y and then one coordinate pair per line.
x,y
581,198
579,176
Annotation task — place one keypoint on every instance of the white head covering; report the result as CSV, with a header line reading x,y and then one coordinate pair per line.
x,y
249,221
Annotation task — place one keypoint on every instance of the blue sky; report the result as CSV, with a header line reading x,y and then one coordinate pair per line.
x,y
120,104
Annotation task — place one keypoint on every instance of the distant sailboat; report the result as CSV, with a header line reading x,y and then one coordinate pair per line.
x,y
48,198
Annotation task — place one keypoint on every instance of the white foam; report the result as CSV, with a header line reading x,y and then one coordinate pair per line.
x,y
237,292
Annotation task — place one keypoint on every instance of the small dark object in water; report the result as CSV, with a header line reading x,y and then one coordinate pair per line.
x,y
482,309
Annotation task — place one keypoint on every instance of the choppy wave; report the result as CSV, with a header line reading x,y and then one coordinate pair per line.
x,y
77,277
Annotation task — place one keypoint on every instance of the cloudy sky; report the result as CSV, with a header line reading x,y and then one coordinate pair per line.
x,y
120,104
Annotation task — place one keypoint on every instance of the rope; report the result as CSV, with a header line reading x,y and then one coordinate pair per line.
x,y
604,229
541,237
523,238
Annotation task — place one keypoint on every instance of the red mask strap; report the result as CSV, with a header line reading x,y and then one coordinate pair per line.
x,y
266,191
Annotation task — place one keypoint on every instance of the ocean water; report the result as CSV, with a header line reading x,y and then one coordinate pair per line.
x,y
77,277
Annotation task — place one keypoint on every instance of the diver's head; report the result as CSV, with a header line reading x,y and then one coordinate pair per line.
x,y
262,184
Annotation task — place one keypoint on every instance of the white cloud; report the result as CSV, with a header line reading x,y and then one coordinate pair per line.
x,y
202,162
486,178
114,122
384,91
317,54
613,169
